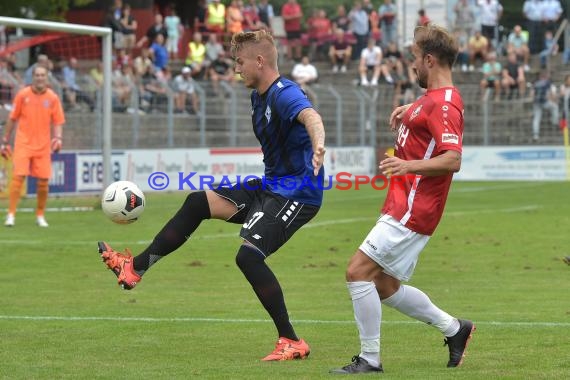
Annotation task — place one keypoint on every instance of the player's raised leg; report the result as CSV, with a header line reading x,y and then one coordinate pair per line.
x,y
198,206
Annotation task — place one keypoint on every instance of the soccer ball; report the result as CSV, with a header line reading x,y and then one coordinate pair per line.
x,y
123,202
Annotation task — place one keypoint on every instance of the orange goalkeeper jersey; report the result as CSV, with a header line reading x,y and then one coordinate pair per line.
x,y
35,114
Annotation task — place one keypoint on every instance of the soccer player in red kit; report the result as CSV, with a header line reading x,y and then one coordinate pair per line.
x,y
427,153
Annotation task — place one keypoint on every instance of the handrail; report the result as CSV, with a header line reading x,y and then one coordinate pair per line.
x,y
233,112
338,110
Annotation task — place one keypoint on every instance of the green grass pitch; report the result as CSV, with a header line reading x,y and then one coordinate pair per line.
x,y
496,258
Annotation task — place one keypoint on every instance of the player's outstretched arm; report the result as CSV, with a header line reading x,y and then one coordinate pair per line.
x,y
316,130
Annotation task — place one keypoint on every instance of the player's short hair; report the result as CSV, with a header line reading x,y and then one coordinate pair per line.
x,y
437,41
259,37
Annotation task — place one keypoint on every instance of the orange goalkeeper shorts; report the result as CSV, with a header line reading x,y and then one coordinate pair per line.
x,y
28,163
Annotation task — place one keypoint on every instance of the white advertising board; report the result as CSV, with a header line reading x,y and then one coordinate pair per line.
x,y
514,163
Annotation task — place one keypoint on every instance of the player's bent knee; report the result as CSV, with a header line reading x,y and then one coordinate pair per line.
x,y
246,256
196,204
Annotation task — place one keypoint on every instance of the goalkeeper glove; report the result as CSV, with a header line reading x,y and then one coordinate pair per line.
x,y
5,149
56,144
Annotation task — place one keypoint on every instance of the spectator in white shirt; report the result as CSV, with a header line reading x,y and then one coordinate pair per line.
x,y
491,12
304,73
370,60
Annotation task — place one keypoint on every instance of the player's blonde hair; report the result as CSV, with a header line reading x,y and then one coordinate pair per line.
x,y
260,42
437,41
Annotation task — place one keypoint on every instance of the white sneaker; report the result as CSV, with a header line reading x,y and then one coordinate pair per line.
x,y
10,220
364,82
335,69
343,69
41,221
374,82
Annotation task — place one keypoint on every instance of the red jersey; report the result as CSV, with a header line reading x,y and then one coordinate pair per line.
x,y
432,125
292,9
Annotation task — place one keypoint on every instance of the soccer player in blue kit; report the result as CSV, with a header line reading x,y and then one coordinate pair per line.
x,y
292,135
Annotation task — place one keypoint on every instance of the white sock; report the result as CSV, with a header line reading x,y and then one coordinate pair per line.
x,y
368,314
416,304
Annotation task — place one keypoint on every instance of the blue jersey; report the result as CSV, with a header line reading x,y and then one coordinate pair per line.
x,y
285,143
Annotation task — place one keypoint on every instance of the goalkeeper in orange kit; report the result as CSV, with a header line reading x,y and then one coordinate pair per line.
x,y
39,115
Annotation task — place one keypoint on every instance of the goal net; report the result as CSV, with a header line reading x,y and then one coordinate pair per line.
x,y
79,58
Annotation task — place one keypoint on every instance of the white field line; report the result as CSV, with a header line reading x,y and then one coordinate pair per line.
x,y
37,318
310,225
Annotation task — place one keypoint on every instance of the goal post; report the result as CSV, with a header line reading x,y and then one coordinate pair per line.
x,y
106,54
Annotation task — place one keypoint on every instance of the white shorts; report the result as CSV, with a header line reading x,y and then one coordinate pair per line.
x,y
394,247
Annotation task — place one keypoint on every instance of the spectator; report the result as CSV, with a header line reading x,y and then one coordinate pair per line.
x,y
320,33
174,29
463,49
200,19
478,49
292,15
370,60
154,30
142,62
533,12
122,83
129,28
3,37
550,48
464,16
374,25
266,13
387,13
518,43
367,6
73,92
158,53
304,73
360,28
221,69
492,71
121,58
112,20
340,51
393,66
196,55
251,19
490,14
213,49
544,98
513,78
234,17
216,17
184,89
153,91
42,60
423,19
551,12
565,99
8,84
341,21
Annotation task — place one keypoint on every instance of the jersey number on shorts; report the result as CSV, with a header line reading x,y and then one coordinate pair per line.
x,y
254,219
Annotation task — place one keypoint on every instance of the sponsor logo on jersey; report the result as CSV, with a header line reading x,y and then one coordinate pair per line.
x,y
371,245
449,138
415,113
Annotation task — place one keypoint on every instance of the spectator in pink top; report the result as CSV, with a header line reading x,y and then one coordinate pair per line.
x,y
292,15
